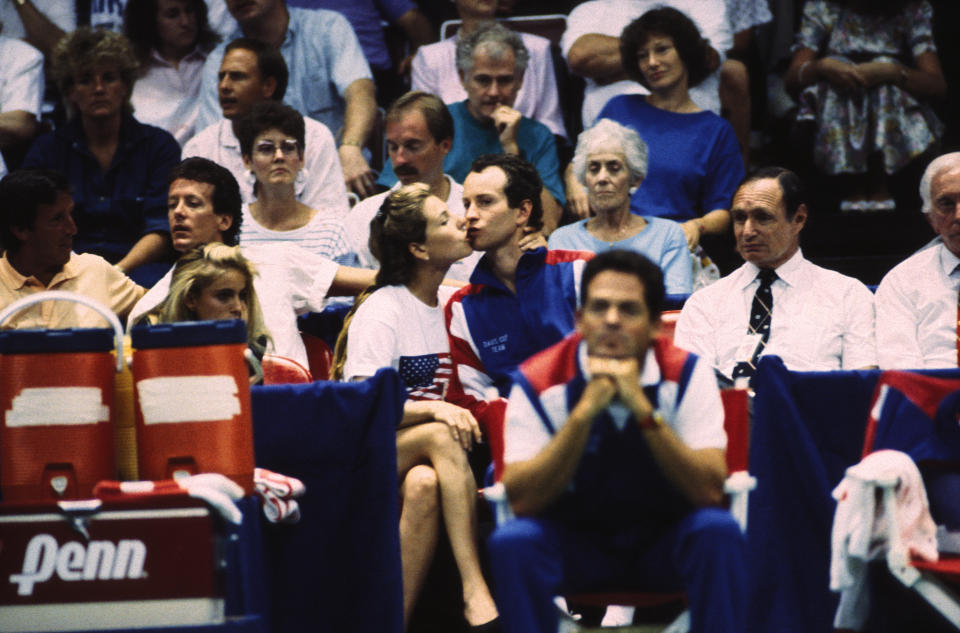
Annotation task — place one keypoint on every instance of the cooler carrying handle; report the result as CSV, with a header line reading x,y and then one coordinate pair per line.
x,y
64,295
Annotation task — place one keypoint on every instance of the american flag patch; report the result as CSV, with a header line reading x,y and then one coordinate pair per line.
x,y
426,377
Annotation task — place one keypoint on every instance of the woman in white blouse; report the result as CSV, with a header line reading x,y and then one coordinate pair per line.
x,y
172,39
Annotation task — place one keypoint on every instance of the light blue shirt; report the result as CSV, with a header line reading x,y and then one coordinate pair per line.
x,y
323,57
662,241
365,16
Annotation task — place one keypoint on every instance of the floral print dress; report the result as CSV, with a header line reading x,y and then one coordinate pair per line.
x,y
885,118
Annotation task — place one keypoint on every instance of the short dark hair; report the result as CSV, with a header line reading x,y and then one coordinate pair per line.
x,y
691,47
269,115
794,193
140,27
21,192
226,191
434,111
523,182
270,63
631,263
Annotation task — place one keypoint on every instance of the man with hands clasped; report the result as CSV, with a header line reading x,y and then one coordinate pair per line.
x,y
614,465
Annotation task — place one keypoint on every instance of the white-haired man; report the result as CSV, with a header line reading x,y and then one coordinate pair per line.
x,y
916,303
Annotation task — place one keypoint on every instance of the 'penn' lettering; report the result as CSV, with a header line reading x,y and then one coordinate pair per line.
x,y
73,561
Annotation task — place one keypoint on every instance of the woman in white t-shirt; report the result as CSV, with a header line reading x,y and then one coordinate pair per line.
x,y
399,323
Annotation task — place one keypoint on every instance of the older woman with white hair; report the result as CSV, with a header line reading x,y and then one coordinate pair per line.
x,y
611,162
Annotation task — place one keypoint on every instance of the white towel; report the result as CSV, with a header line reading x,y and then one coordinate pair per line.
x,y
860,528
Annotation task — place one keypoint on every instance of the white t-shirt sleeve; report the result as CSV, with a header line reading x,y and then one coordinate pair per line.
x,y
371,339
587,17
21,83
422,76
309,275
698,421
710,17
347,62
524,433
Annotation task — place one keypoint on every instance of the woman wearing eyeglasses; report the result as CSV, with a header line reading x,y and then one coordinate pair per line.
x,y
272,144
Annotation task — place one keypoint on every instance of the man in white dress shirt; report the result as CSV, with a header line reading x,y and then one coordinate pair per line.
x,y
820,320
419,134
917,314
252,72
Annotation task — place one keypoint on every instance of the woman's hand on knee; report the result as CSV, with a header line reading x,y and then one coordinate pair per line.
x,y
463,426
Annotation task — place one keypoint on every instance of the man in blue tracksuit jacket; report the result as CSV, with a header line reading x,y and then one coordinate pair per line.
x,y
518,302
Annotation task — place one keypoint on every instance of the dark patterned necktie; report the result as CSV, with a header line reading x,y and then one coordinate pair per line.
x,y
761,313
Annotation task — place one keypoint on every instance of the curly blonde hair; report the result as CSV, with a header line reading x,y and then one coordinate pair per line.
x,y
198,268
87,49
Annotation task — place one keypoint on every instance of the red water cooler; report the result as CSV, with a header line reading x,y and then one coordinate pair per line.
x,y
56,394
192,395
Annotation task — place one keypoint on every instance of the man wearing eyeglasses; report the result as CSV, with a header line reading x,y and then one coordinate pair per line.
x,y
917,314
252,72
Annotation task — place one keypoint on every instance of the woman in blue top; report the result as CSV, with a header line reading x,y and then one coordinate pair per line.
x,y
695,163
611,161
117,166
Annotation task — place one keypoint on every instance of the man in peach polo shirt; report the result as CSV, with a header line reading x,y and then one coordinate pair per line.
x,y
36,233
